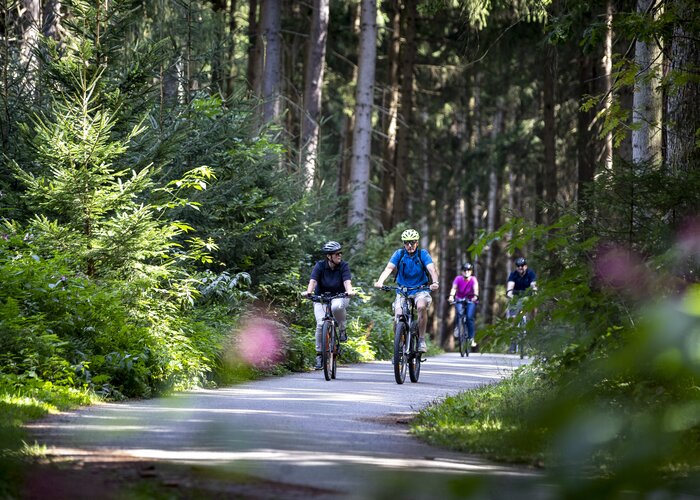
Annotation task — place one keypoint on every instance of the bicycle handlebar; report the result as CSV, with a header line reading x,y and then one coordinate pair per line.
x,y
404,289
327,297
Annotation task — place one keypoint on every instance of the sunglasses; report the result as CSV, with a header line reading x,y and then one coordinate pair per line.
x,y
410,242
521,265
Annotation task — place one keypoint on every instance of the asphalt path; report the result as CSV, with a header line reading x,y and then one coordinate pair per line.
x,y
346,438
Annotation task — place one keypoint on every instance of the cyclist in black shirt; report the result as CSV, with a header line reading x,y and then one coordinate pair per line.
x,y
330,275
521,279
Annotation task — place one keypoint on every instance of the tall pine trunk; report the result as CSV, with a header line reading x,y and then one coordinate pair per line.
x,y
362,134
272,71
313,86
391,118
403,181
646,111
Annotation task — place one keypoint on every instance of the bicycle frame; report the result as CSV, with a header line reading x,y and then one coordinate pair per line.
x,y
406,353
462,328
330,342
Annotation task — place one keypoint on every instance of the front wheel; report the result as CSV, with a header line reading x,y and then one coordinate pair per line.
x,y
414,359
327,354
400,352
463,342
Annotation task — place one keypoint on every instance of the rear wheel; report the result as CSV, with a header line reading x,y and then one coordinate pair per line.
x,y
327,349
335,351
400,352
414,358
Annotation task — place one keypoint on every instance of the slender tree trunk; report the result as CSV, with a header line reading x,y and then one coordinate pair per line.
x,y
403,181
344,169
271,28
549,135
256,57
683,111
607,82
646,112
51,26
585,144
391,112
362,135
313,86
31,21
218,60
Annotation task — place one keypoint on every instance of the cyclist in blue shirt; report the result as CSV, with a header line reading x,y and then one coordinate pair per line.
x,y
415,268
330,275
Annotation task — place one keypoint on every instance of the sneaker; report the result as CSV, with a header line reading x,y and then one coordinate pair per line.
x,y
473,343
319,362
343,335
421,346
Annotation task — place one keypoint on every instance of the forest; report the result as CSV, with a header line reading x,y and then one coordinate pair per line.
x,y
171,169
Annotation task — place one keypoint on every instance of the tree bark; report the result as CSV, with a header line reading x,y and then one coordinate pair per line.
x,y
313,86
584,138
646,110
683,111
256,57
549,134
408,56
271,29
391,112
362,135
51,26
30,38
607,82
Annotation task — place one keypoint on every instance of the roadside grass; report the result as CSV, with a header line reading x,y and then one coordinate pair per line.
x,y
491,420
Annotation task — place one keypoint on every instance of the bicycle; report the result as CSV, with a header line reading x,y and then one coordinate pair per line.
x,y
519,345
461,319
330,340
406,354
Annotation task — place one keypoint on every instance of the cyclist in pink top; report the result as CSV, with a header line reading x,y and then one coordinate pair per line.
x,y
465,295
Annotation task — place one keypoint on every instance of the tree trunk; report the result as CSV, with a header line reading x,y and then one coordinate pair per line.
x,y
488,285
271,29
585,144
313,86
607,82
30,38
646,110
683,111
391,112
51,26
362,135
403,181
218,59
256,57
549,134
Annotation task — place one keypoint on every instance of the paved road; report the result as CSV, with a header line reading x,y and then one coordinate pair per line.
x,y
347,437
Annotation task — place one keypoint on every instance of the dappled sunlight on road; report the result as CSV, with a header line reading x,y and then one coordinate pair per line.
x,y
356,424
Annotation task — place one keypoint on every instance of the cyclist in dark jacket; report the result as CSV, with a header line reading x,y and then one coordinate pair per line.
x,y
332,275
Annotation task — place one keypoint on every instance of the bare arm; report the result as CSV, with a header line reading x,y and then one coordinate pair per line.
x,y
509,288
433,276
385,274
312,286
348,287
476,287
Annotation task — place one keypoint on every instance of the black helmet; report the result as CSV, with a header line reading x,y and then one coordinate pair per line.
x,y
520,261
331,247
467,266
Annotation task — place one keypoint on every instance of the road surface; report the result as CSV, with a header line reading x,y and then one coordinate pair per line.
x,y
347,438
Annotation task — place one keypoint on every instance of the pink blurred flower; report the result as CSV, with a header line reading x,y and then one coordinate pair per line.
x,y
689,237
259,342
620,268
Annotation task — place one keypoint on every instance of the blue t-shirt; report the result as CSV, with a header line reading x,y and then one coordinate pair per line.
x,y
523,282
330,280
410,272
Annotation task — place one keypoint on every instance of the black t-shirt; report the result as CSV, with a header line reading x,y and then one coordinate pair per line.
x,y
523,282
330,280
